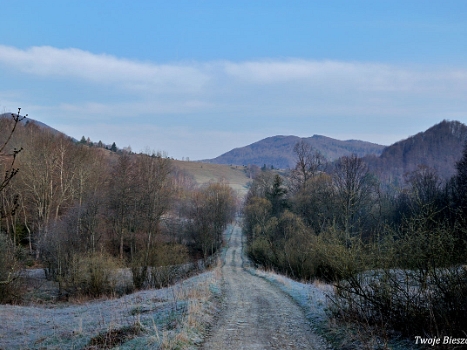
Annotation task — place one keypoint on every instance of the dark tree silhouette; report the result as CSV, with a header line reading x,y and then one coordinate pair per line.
x,y
276,195
10,157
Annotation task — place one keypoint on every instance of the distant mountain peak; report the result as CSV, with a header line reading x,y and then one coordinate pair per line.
x,y
439,147
277,151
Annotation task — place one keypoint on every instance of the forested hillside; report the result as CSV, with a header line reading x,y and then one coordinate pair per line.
x,y
26,121
438,148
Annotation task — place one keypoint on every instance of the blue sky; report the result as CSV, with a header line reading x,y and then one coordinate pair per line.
x,y
198,78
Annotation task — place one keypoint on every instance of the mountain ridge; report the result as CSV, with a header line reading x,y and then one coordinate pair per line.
x,y
439,148
277,151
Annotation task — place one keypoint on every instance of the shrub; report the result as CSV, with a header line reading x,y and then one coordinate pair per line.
x,y
260,251
418,285
160,267
406,301
336,258
114,337
92,274
10,281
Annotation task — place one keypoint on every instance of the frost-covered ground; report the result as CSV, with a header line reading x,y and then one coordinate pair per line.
x,y
162,315
311,297
255,313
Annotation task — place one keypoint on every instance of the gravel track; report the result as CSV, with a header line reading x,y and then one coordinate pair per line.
x,y
256,314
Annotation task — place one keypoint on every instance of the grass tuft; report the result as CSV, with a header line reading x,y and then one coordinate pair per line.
x,y
114,337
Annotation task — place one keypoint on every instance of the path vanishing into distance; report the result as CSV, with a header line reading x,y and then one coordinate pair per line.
x,y
256,314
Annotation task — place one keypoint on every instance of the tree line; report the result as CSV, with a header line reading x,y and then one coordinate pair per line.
x,y
395,255
78,210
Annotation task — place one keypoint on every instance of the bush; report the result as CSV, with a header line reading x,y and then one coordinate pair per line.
x,y
10,281
160,267
336,258
92,274
114,337
406,301
260,252
416,286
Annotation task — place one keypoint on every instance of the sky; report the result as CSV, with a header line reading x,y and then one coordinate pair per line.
x,y
196,78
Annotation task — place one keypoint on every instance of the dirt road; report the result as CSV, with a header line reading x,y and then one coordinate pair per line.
x,y
257,315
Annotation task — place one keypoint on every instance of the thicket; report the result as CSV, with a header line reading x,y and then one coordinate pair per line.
x,y
88,216
396,258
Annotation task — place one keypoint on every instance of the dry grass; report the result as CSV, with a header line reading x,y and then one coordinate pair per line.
x,y
200,312
114,337
205,172
324,286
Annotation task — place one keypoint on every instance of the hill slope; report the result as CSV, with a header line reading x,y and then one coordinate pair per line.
x,y
439,147
203,173
28,120
278,151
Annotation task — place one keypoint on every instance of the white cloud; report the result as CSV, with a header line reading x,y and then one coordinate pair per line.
x,y
51,62
325,74
74,86
215,78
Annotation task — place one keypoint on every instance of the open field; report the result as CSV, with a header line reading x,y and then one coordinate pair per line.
x,y
205,172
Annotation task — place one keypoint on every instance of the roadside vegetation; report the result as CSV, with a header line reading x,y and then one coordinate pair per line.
x,y
100,221
396,256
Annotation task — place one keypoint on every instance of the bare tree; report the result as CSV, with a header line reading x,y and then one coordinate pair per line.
x,y
154,192
89,198
309,162
47,179
355,186
316,204
121,199
425,190
211,209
